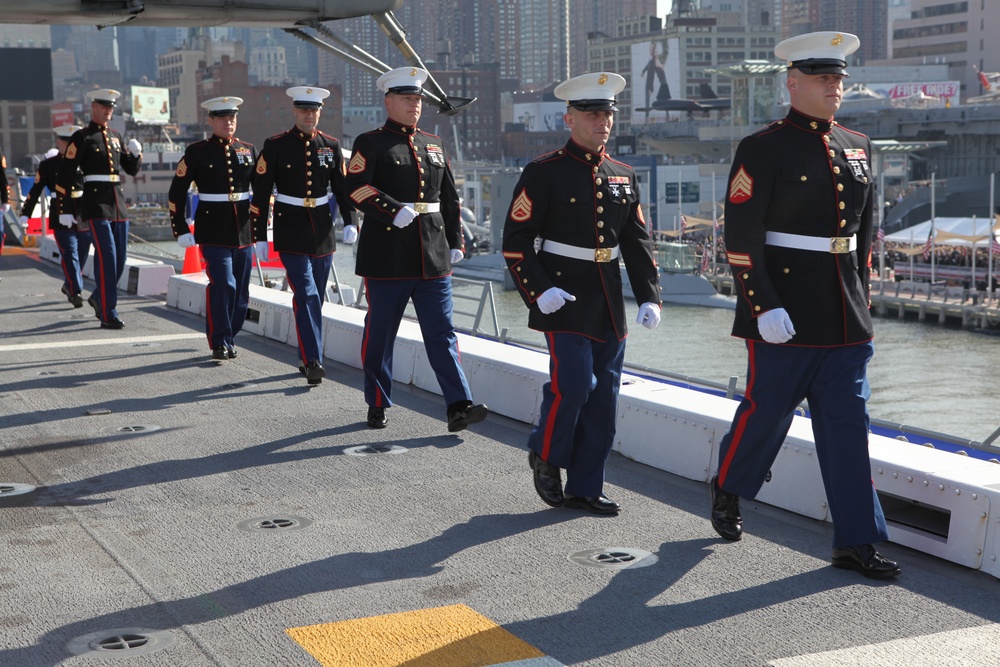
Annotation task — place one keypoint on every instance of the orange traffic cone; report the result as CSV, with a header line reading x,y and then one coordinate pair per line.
x,y
192,260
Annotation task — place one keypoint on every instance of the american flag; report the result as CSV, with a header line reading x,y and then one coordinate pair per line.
x,y
684,224
881,234
704,259
928,245
995,245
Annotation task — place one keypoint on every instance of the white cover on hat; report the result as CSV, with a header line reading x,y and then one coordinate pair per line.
x,y
402,77
108,94
66,130
308,94
230,103
827,45
592,86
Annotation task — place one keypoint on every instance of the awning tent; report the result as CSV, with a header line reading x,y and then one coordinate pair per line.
x,y
947,231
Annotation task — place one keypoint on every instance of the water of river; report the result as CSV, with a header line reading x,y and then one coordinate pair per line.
x,y
923,374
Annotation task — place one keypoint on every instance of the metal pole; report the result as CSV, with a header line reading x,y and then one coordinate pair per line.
x,y
715,225
881,215
933,216
993,224
974,222
679,212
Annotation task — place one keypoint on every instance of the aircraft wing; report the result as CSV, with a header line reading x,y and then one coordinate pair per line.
x,y
189,13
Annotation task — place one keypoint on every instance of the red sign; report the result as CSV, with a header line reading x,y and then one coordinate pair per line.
x,y
62,114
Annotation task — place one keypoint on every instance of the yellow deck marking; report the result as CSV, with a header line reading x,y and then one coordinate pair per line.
x,y
98,341
452,636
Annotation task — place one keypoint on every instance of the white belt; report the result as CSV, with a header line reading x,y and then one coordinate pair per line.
x,y
102,178
576,252
837,245
232,196
308,202
67,219
425,207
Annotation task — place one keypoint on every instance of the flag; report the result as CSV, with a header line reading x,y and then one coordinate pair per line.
x,y
928,245
881,234
983,79
995,246
684,224
704,259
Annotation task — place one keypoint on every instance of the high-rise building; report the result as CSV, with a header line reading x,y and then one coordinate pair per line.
x,y
177,70
961,34
865,18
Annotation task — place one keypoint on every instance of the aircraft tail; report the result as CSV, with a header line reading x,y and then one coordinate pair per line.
x,y
706,92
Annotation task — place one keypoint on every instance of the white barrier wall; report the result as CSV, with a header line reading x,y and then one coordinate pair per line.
x,y
141,276
937,502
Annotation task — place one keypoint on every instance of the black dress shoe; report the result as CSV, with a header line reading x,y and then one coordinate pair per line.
x,y
302,369
726,517
594,505
314,372
865,560
460,415
548,480
220,353
376,417
93,304
231,351
76,300
113,323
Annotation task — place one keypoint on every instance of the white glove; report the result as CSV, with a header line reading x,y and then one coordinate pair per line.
x,y
5,208
553,299
649,315
134,147
350,234
405,216
457,256
66,219
24,221
775,326
185,240
263,252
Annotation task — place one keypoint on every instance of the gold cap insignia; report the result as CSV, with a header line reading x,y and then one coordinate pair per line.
x,y
309,91
225,99
413,72
837,39
603,79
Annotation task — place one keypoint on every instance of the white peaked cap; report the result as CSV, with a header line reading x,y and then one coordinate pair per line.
x,y
66,131
818,52
595,91
107,96
307,97
403,81
222,106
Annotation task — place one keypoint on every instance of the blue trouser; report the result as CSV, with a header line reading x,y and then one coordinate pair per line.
x,y
432,302
576,427
834,381
227,293
307,276
110,252
74,246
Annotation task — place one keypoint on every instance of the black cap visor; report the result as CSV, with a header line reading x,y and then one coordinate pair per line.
x,y
223,112
820,66
593,105
106,103
406,90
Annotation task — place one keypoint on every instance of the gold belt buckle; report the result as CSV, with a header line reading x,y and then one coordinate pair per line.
x,y
234,196
420,207
75,194
602,255
840,245
114,178
309,202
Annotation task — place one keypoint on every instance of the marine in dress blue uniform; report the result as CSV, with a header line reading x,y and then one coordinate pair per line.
x,y
798,238
101,155
72,235
303,166
584,205
221,168
399,177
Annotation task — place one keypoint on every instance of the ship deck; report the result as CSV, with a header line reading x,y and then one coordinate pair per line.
x,y
189,513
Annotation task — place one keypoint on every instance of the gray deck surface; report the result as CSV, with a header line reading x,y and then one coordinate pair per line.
x,y
137,521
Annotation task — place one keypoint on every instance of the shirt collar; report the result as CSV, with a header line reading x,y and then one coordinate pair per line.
x,y
585,154
809,123
399,128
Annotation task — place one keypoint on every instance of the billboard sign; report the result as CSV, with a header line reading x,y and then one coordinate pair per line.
x,y
942,89
150,106
656,73
540,116
62,114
